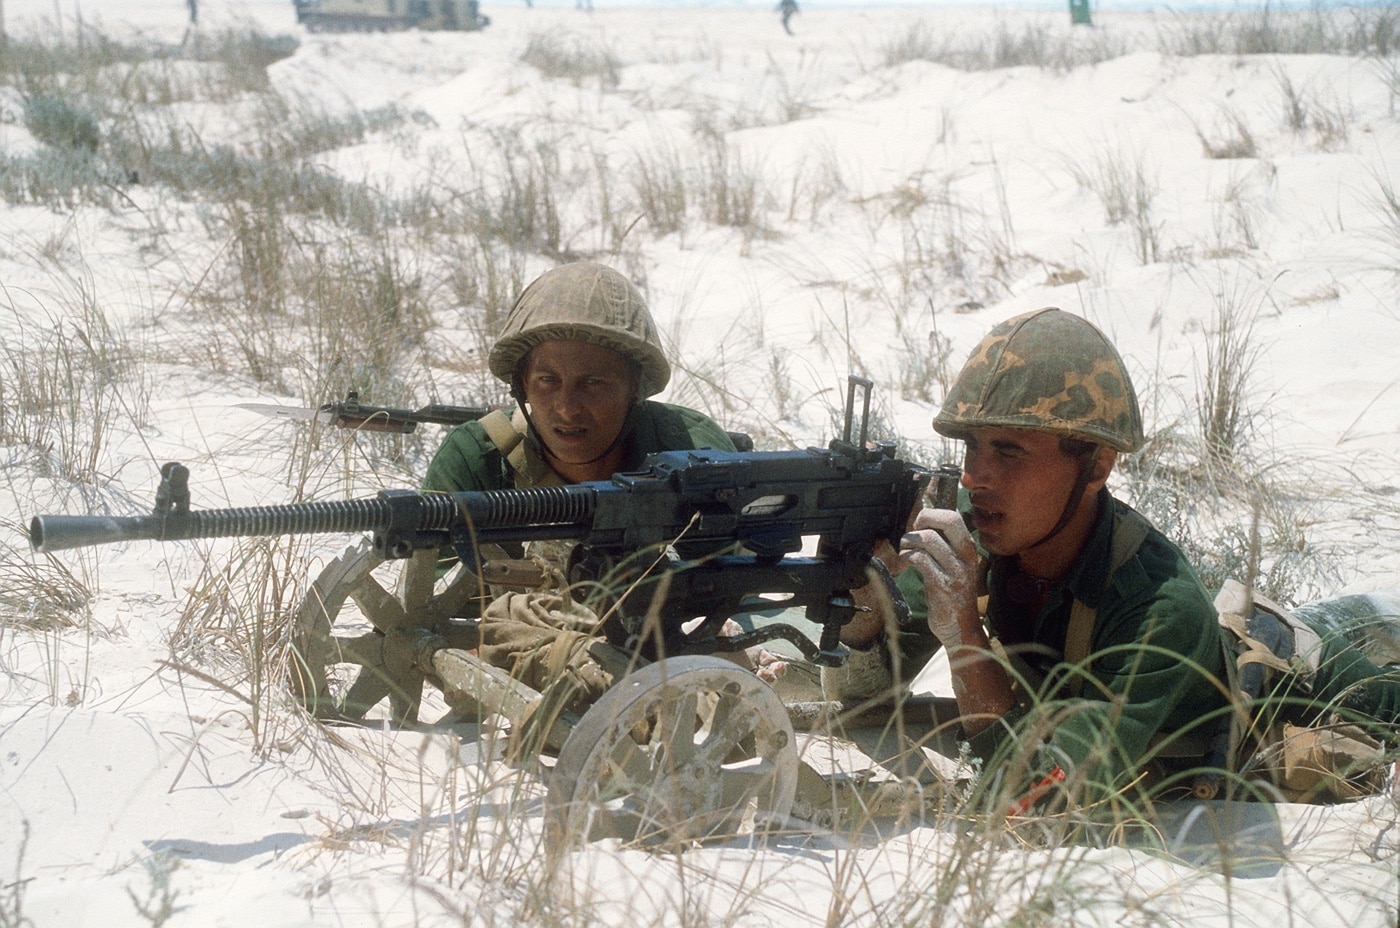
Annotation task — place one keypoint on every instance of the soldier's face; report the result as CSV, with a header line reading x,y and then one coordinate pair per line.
x,y
579,396
1020,482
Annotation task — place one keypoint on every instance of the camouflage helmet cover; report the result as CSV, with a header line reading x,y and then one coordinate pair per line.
x,y
1046,370
590,303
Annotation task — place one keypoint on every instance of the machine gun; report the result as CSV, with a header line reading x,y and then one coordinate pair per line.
x,y
677,546
748,513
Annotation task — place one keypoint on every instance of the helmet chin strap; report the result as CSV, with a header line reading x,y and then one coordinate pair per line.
x,y
1076,496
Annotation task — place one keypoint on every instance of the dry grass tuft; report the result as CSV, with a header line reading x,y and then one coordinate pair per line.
x,y
39,592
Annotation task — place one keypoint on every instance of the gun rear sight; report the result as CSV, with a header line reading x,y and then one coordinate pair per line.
x,y
852,382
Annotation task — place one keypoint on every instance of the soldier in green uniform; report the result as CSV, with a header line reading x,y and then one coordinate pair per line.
x,y
1109,668
582,356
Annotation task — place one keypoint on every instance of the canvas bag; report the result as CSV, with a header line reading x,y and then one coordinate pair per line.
x,y
1267,649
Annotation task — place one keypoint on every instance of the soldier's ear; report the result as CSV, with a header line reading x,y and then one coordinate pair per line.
x,y
1104,459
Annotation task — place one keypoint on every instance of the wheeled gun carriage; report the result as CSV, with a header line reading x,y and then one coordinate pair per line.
x,y
685,743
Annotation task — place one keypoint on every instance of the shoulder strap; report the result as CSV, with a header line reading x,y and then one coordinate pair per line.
x,y
1129,532
507,433
502,433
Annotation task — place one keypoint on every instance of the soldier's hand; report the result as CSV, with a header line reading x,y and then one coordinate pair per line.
x,y
940,548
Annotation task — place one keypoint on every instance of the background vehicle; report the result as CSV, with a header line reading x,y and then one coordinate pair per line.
x,y
390,15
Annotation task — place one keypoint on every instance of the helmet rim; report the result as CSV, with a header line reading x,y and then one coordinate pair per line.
x,y
1047,371
586,302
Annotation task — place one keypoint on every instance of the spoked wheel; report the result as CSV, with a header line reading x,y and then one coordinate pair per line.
x,y
355,634
681,750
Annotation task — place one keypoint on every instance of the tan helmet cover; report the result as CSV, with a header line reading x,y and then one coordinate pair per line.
x,y
1046,370
586,302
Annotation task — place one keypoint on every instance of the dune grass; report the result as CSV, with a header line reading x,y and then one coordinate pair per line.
x,y
313,284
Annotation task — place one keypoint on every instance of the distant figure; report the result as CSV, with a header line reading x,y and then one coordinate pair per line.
x,y
194,11
788,8
585,5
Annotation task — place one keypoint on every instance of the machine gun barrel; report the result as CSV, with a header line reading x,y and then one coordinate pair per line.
x,y
402,520
57,533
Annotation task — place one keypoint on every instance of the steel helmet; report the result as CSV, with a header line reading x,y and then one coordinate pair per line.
x,y
588,302
1046,370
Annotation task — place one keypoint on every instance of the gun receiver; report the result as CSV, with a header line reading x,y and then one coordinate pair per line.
x,y
709,505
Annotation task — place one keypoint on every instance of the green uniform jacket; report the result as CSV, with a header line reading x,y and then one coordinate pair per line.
x,y
1156,662
1358,663
469,460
